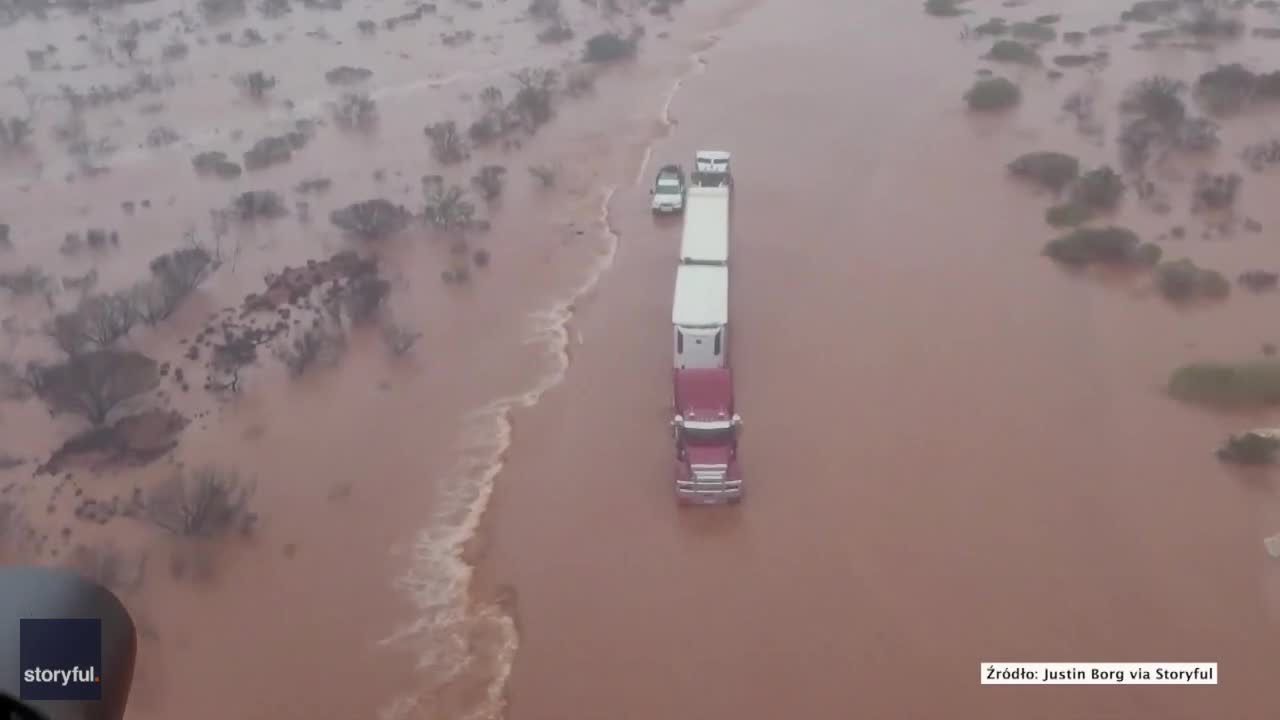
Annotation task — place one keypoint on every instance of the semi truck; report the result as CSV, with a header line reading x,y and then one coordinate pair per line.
x,y
705,239
700,316
706,431
711,169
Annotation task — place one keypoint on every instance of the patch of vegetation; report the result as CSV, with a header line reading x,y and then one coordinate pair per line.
x,y
321,343
447,145
1197,135
1259,155
1013,51
272,9
255,204
531,105
448,208
1070,61
1048,19
1033,32
609,47
994,93
271,151
1229,385
544,174
372,219
1249,448
254,84
94,383
30,280
1258,280
1085,246
347,75
1215,192
1053,170
399,340
174,276
355,111
216,164
488,182
1227,88
1067,215
1157,98
994,27
1098,189
14,131
208,503
944,8
1182,280
1210,21
1150,11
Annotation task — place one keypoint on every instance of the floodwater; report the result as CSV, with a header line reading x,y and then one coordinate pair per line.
x,y
955,452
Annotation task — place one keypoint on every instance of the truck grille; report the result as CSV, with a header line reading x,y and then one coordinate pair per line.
x,y
709,482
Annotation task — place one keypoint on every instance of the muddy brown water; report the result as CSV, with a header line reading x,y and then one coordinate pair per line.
x,y
955,451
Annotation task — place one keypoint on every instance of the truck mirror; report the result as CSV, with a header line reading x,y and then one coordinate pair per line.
x,y
737,420
677,420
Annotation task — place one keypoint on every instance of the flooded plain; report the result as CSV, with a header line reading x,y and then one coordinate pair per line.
x,y
956,449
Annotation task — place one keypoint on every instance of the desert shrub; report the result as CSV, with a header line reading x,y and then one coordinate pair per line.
x,y
218,10
371,219
30,280
1149,11
1013,51
995,93
1258,280
1111,245
481,258
216,164
1158,98
447,145
255,204
1070,61
532,105
1138,139
1148,254
322,342
14,131
1249,448
162,137
1197,135
992,27
544,174
399,339
1226,88
1181,280
347,75
488,182
208,502
367,27
268,151
1073,38
1249,384
355,111
447,208
94,383
1067,215
608,47
1215,192
6,241
1033,32
106,318
364,296
1053,170
254,84
943,8
272,9
1098,189
174,276
1210,21
557,32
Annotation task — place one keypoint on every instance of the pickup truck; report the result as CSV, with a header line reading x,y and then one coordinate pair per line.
x,y
668,190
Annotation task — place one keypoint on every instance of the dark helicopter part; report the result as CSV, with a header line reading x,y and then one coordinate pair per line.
x,y
36,592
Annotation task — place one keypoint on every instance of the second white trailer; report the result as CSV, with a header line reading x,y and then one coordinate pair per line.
x,y
700,316
705,237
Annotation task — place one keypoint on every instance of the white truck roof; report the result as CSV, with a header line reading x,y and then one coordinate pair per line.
x,y
705,239
712,155
702,296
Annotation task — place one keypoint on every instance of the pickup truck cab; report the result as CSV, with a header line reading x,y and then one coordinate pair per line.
x,y
706,436
668,190
711,169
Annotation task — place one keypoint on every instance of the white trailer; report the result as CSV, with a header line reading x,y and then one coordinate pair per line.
x,y
700,316
705,240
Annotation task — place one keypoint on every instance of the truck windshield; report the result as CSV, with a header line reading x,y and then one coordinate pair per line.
x,y
704,436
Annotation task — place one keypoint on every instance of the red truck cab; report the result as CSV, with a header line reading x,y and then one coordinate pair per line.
x,y
706,434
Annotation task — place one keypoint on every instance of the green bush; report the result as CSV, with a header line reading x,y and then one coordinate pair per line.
x,y
1098,189
1013,51
1067,215
1084,246
1249,448
1183,280
993,27
1053,170
1148,254
1248,384
994,93
943,8
1034,32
